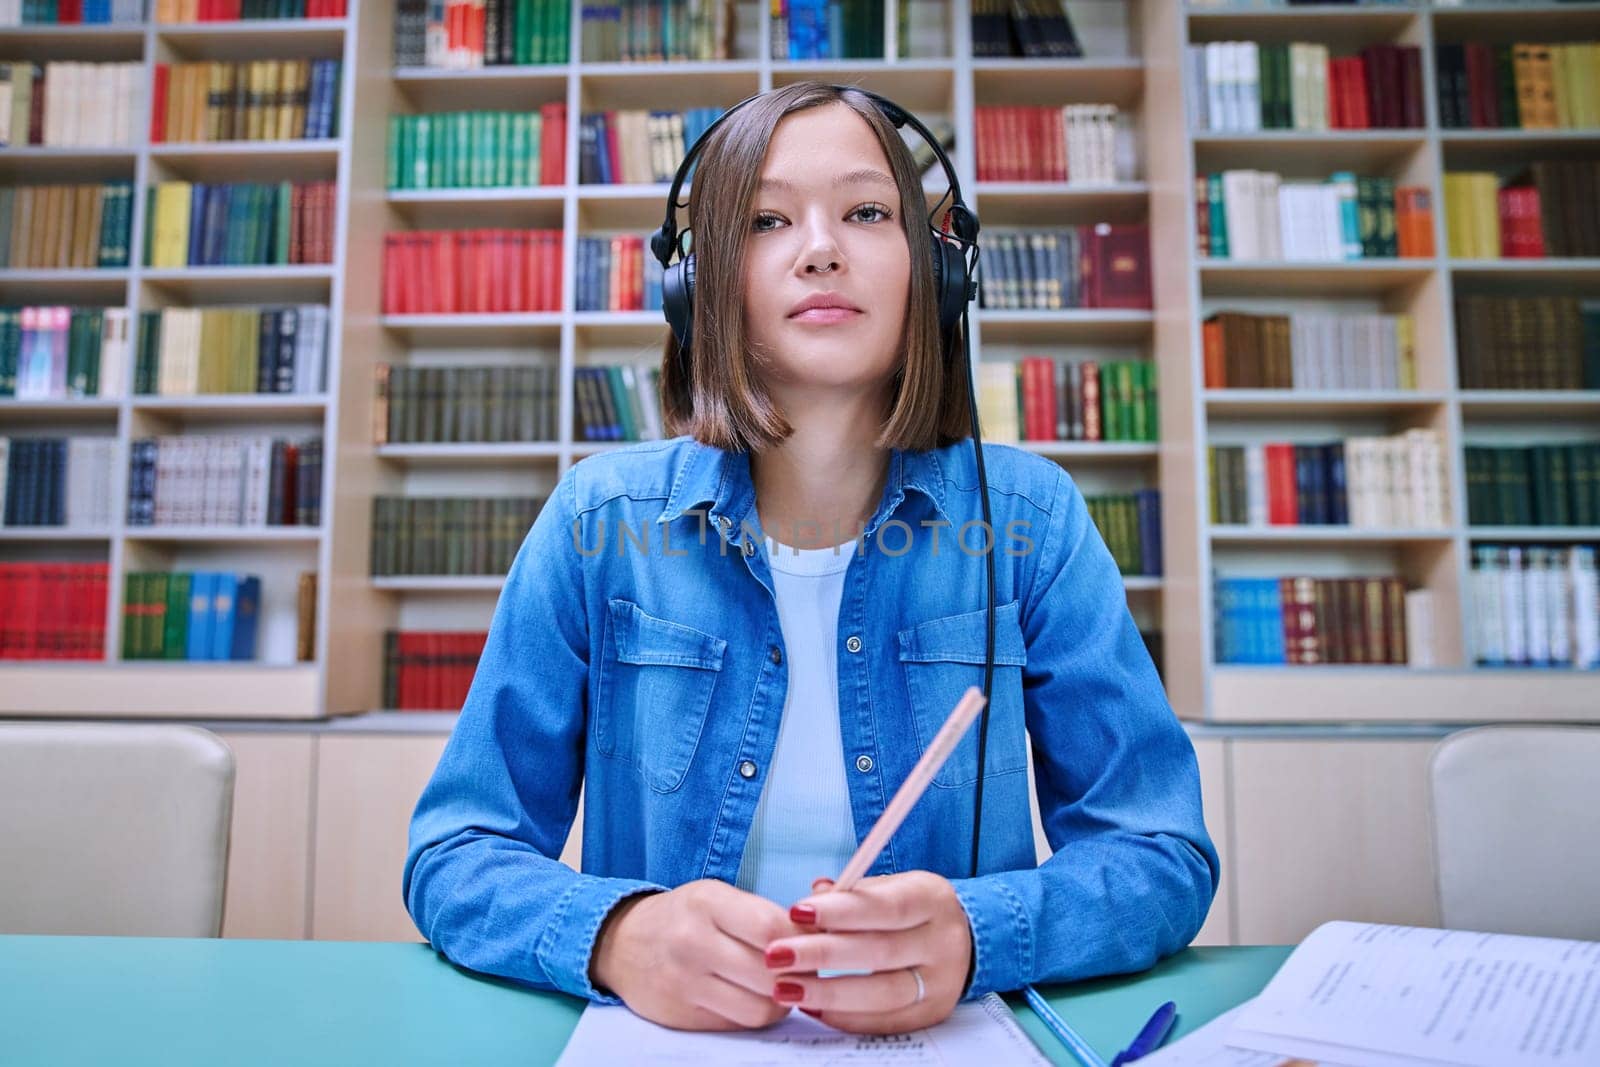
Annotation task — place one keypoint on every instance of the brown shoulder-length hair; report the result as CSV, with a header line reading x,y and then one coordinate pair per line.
x,y
721,401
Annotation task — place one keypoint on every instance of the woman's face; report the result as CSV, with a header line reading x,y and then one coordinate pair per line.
x,y
826,222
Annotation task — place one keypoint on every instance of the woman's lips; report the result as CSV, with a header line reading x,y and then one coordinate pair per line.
x,y
825,316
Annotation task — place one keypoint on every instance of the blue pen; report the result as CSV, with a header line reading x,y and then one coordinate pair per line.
x,y
1155,1031
1058,1026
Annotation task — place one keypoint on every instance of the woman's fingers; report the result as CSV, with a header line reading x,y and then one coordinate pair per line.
x,y
752,920
738,1006
887,902
874,994
880,950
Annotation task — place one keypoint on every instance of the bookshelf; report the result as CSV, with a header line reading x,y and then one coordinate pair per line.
x,y
1453,690
1135,55
275,684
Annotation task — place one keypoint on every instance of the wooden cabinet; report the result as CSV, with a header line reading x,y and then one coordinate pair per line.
x,y
1329,829
1308,829
270,843
367,786
1212,756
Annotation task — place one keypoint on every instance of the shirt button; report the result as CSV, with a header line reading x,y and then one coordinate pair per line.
x,y
776,656
854,645
863,764
749,548
747,769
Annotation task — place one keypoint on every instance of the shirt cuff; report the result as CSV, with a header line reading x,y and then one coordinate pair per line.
x,y
1002,934
568,943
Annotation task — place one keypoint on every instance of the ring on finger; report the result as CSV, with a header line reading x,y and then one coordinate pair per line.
x,y
922,989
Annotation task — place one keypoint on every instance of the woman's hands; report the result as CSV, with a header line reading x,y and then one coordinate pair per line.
x,y
707,956
691,958
887,925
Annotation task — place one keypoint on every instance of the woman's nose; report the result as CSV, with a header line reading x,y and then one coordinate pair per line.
x,y
822,252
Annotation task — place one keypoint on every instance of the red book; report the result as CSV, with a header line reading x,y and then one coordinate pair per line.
x,y
1511,237
978,131
1030,399
635,272
1409,60
1116,262
517,271
1089,398
500,243
1338,70
1532,222
550,295
391,275
419,260
158,104
482,272
1283,504
1358,107
1216,376
552,143
533,274
1058,144
406,686
1040,166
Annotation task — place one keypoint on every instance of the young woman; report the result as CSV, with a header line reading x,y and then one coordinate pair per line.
x,y
740,639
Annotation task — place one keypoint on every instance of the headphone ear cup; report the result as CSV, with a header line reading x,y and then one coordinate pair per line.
x,y
677,301
950,286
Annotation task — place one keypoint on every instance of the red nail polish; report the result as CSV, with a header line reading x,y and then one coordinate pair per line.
x,y
780,956
804,914
813,1014
789,993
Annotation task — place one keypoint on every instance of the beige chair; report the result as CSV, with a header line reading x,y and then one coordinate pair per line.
x,y
113,829
1516,830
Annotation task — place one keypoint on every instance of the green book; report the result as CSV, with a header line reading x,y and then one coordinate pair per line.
x,y
150,223
1506,81
285,222
394,153
132,593
1217,216
1388,241
619,399
175,626
1367,216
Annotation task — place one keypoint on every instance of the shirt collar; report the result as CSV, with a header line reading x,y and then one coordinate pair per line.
x,y
714,476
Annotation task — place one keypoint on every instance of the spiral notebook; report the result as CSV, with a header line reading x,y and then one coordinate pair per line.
x,y
979,1031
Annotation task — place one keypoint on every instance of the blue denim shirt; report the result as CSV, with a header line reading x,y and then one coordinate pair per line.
x,y
636,650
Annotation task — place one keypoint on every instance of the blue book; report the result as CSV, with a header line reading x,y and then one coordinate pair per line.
x,y
246,618
223,595
603,160
1272,644
1338,498
198,195
1148,502
202,587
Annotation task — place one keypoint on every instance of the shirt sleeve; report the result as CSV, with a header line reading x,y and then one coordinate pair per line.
x,y
482,877
1133,870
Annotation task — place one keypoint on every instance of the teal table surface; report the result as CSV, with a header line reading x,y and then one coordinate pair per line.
x,y
136,1001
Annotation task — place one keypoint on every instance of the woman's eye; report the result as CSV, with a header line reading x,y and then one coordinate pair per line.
x,y
876,213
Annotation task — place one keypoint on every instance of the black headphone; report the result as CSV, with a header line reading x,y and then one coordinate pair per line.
x,y
955,287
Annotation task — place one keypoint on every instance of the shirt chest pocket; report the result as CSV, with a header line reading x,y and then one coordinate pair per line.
x,y
940,659
654,690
